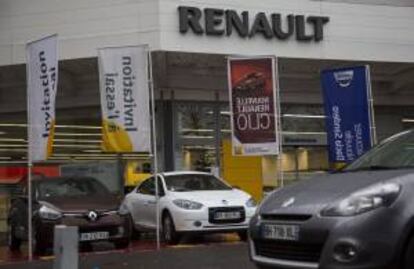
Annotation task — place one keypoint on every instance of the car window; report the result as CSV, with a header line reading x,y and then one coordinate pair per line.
x,y
68,186
148,187
394,153
194,182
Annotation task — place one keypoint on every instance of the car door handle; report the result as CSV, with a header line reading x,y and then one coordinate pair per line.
x,y
150,202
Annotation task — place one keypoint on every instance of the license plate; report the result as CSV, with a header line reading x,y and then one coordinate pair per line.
x,y
281,232
227,215
94,236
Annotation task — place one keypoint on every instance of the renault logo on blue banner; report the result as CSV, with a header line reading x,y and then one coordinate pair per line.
x,y
344,78
348,110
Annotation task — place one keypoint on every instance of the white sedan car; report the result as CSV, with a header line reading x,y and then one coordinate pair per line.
x,y
190,202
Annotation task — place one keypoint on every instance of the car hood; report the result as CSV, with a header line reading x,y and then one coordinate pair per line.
x,y
312,195
83,204
232,197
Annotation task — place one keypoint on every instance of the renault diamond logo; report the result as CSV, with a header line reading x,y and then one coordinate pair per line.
x,y
288,202
92,215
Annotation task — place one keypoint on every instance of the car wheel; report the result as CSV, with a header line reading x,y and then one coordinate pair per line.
x,y
122,243
242,235
13,242
39,249
408,260
258,266
169,233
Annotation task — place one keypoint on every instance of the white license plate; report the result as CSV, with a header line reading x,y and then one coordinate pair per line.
x,y
227,215
281,232
94,236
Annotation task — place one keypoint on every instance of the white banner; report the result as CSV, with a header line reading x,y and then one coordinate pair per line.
x,y
123,74
42,80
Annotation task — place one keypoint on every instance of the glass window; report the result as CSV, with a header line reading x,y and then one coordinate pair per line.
x,y
147,187
194,182
395,152
64,187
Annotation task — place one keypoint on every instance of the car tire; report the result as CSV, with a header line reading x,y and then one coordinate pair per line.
x,y
122,243
408,259
242,235
13,242
170,235
259,266
39,248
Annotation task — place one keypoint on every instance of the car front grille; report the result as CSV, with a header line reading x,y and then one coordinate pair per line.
x,y
286,217
292,251
113,230
212,211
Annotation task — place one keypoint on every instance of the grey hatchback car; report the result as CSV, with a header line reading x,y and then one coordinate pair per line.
x,y
361,217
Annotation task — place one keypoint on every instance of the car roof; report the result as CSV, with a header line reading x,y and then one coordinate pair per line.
x,y
178,173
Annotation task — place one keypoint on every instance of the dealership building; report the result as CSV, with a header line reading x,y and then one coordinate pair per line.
x,y
190,42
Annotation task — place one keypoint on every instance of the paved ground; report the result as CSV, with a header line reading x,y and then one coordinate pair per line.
x,y
210,253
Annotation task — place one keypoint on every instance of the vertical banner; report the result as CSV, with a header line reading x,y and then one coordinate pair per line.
x,y
347,94
252,90
42,79
124,89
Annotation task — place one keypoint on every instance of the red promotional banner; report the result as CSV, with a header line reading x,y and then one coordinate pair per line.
x,y
252,87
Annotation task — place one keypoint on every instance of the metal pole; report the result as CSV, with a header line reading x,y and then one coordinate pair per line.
x,y
30,206
29,172
217,132
279,124
373,128
154,144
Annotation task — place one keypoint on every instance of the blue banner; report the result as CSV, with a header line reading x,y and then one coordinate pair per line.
x,y
347,110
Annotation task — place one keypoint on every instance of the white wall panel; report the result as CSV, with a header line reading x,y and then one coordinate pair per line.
x,y
82,25
355,31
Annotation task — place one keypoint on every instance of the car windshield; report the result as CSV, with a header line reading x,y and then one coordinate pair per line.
x,y
64,187
396,152
194,182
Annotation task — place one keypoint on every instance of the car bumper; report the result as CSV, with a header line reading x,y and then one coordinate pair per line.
x,y
323,240
118,227
201,220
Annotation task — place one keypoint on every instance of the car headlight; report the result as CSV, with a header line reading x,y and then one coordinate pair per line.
x,y
368,199
251,202
49,213
123,209
187,204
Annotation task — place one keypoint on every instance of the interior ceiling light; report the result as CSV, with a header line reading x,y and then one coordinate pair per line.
x,y
13,145
303,133
13,140
79,127
76,146
196,130
23,125
407,120
304,116
76,140
197,137
77,134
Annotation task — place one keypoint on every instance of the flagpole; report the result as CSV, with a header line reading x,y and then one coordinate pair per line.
x,y
29,166
279,122
154,154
